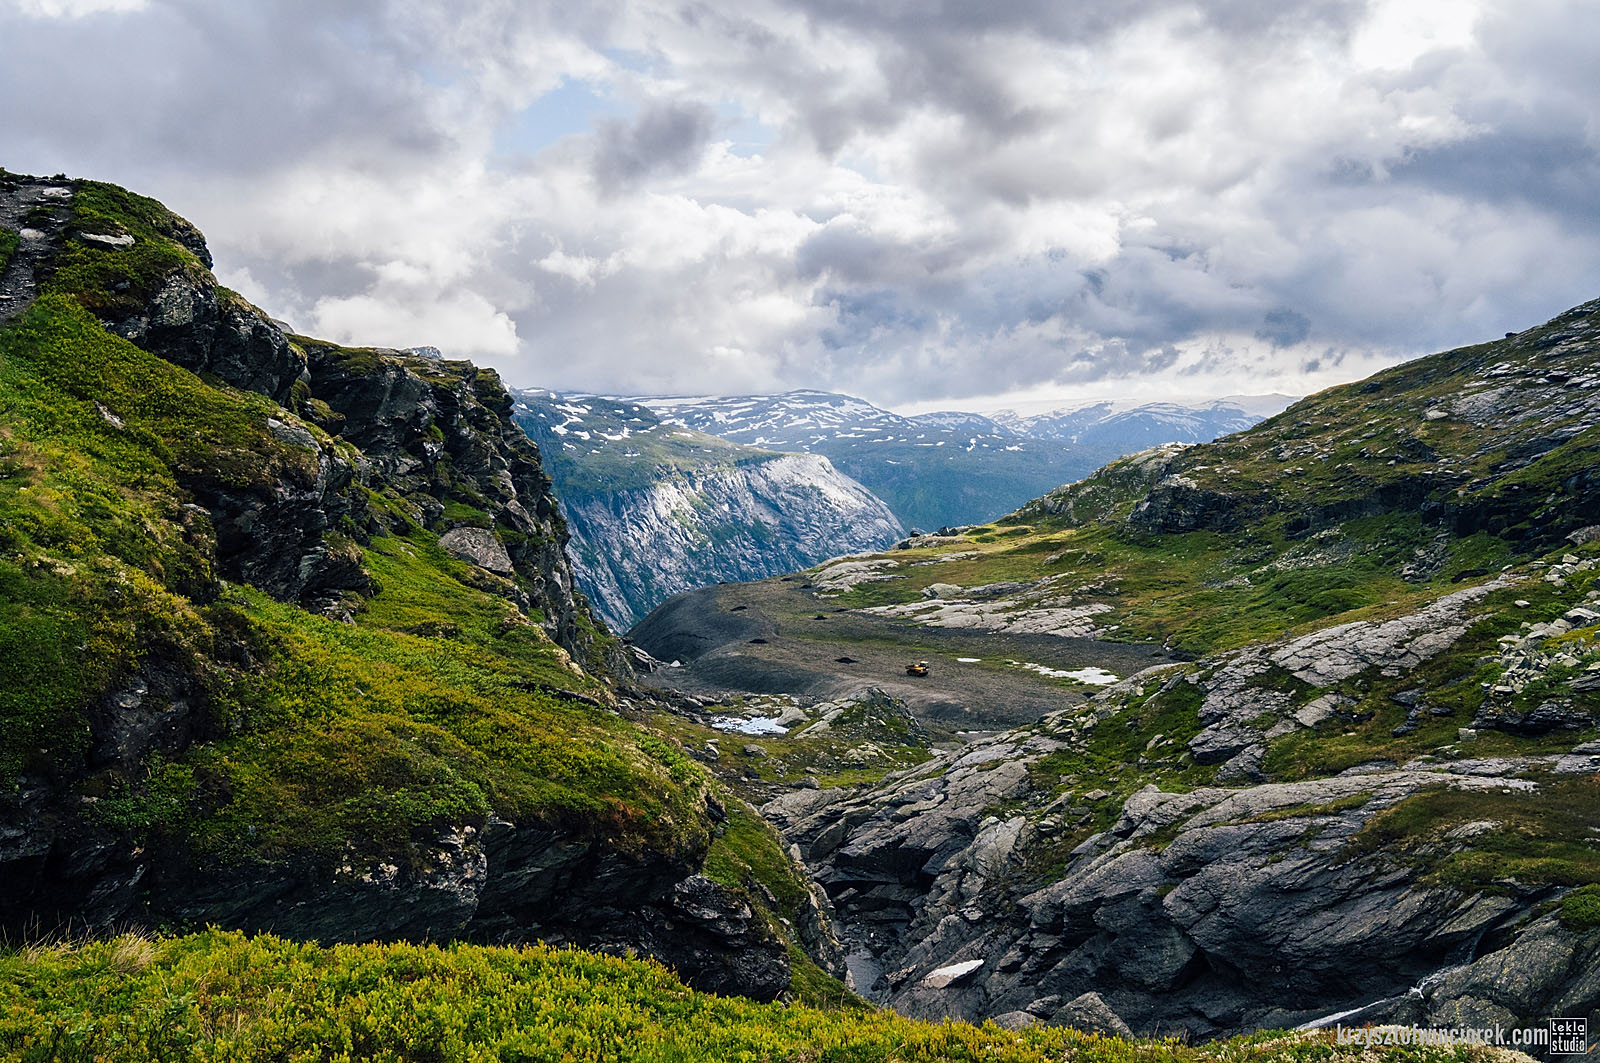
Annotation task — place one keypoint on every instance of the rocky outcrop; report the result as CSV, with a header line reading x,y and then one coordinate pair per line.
x,y
439,433
36,211
724,523
494,883
975,886
193,322
285,503
1207,912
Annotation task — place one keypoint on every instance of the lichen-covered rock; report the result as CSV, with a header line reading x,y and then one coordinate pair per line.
x,y
479,547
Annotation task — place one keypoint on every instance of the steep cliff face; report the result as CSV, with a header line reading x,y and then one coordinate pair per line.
x,y
288,638
656,509
634,549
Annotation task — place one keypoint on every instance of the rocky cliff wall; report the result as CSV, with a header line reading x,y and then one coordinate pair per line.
x,y
633,549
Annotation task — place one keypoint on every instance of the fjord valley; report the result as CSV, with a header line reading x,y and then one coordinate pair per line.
x,y
1352,776
655,508
295,676
664,495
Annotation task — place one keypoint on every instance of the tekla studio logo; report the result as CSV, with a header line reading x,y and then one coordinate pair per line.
x,y
1569,1037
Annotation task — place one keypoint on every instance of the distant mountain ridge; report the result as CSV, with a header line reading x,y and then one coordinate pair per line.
x,y
1129,429
656,508
950,467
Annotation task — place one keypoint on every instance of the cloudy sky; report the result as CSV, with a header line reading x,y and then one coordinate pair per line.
x,y
924,202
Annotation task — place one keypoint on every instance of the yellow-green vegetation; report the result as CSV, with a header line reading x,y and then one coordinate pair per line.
x,y
1531,835
8,246
226,997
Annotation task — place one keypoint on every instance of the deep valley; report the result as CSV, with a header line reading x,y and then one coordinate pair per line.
x,y
312,738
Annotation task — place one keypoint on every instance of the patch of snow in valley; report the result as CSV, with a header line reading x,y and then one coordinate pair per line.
x,y
1098,677
760,725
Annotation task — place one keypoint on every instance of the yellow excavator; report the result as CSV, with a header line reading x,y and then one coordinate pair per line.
x,y
920,668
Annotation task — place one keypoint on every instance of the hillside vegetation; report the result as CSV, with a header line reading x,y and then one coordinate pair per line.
x,y
305,653
216,996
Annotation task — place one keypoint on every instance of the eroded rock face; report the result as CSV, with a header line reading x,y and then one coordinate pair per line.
x,y
193,323
442,430
1239,920
502,884
1209,911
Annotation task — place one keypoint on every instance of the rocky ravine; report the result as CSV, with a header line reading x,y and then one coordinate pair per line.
x,y
993,883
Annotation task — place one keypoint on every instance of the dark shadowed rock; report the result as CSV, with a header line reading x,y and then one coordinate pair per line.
x,y
1091,1014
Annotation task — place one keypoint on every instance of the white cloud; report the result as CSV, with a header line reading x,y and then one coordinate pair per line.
x,y
464,324
648,196
75,8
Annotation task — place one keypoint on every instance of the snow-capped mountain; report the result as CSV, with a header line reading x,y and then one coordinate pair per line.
x,y
1131,427
950,467
656,508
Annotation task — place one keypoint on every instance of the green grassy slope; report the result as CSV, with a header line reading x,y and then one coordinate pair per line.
x,y
433,707
1437,472
166,714
218,996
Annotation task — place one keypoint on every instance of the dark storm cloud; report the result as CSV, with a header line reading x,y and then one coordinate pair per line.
x,y
1547,165
665,139
1283,327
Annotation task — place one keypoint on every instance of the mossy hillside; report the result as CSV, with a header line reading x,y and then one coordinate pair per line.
x,y
1495,840
361,741
1383,432
1385,491
321,734
8,246
222,996
116,282
101,564
1130,738
1196,592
